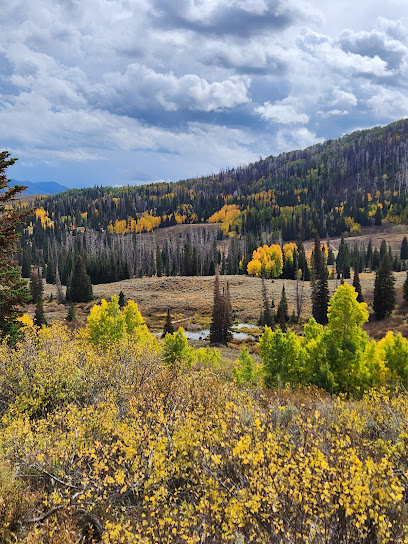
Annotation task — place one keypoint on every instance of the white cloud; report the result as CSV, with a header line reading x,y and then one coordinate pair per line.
x,y
282,112
298,138
143,86
387,103
343,98
167,82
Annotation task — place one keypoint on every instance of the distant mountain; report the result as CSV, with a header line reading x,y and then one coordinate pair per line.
x,y
40,188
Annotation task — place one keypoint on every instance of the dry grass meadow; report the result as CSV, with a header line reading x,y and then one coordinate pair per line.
x,y
190,298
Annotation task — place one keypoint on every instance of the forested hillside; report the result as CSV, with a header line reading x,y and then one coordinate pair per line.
x,y
331,188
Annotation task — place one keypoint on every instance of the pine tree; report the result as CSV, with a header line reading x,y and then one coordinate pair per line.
x,y
405,289
227,312
122,299
36,285
80,287
168,325
404,249
282,316
357,284
60,296
320,287
26,262
71,315
369,255
39,316
378,217
216,327
384,291
330,256
159,262
13,289
50,276
383,249
220,328
343,260
266,317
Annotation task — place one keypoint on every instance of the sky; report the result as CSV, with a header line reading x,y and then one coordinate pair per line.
x,y
118,92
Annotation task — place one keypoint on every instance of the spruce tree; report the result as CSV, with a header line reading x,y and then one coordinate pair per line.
x,y
71,315
383,249
80,287
36,285
357,284
384,291
404,249
50,276
227,312
282,316
26,262
220,328
39,316
13,289
58,285
159,262
122,299
216,329
320,287
168,325
369,255
378,217
405,289
266,317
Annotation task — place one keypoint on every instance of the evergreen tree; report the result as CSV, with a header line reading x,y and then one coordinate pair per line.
x,y
168,325
320,287
50,276
384,291
266,317
404,249
60,296
357,284
343,260
80,287
282,316
383,249
369,255
36,285
220,328
122,299
330,256
159,262
216,327
13,289
376,260
39,316
227,312
71,315
26,262
405,289
378,217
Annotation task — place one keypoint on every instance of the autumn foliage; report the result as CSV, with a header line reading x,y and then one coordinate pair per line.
x,y
154,442
267,262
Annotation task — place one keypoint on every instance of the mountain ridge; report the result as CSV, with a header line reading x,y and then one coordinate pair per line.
x,y
40,187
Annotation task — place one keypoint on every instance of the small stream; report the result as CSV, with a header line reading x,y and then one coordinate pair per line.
x,y
205,333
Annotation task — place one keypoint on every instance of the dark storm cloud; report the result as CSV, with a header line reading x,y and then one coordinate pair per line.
x,y
240,18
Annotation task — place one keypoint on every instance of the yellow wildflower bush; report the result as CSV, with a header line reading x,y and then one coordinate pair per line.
x,y
155,452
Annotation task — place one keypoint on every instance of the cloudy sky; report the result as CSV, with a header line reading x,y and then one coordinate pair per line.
x,y
114,92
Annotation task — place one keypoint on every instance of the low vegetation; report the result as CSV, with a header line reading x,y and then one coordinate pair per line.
x,y
109,434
